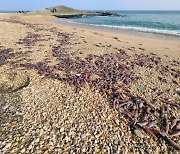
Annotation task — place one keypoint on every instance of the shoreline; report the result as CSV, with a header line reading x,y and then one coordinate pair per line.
x,y
150,35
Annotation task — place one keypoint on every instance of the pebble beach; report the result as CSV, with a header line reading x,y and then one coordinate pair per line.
x,y
65,89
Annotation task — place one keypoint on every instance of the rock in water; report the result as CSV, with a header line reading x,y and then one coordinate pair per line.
x,y
13,80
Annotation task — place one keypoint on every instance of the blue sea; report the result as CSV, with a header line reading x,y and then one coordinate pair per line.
x,y
9,11
164,22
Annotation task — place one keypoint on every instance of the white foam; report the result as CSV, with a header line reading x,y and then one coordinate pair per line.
x,y
141,29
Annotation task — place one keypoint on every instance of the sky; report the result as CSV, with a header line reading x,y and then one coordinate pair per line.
x,y
16,5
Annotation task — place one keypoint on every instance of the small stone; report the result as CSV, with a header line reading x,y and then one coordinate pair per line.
x,y
5,107
23,150
138,133
41,132
7,146
1,144
84,150
67,139
19,113
116,142
51,143
36,140
83,136
117,121
141,104
78,74
30,147
11,108
26,140
17,139
62,129
141,88
178,91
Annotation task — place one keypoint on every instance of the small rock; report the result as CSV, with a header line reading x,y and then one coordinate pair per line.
x,y
141,104
23,150
116,142
11,108
67,139
162,79
78,74
19,113
7,146
83,136
30,146
27,139
141,88
5,107
36,140
117,121
41,132
51,143
138,133
178,91
62,129
84,150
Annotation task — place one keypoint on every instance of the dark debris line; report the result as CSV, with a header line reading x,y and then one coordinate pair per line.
x,y
30,39
111,74
4,55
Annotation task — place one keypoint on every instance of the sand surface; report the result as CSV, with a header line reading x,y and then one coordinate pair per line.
x,y
156,36
62,89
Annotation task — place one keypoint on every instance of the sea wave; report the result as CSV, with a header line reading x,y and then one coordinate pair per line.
x,y
140,29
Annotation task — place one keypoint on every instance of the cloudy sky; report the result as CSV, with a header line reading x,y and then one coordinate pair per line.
x,y
12,5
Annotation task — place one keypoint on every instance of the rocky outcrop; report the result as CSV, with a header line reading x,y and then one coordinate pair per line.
x,y
108,14
66,12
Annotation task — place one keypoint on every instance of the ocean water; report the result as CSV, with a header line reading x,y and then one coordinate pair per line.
x,y
164,22
9,11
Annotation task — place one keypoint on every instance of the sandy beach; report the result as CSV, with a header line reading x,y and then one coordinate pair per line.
x,y
156,36
65,89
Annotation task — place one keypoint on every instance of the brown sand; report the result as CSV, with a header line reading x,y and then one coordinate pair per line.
x,y
49,115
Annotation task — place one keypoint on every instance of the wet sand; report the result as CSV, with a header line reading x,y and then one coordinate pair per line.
x,y
67,89
150,35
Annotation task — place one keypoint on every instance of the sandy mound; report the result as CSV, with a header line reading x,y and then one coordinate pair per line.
x,y
13,80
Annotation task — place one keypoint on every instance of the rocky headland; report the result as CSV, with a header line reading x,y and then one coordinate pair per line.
x,y
66,12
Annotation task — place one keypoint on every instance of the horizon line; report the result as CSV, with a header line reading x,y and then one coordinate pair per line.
x,y
92,10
